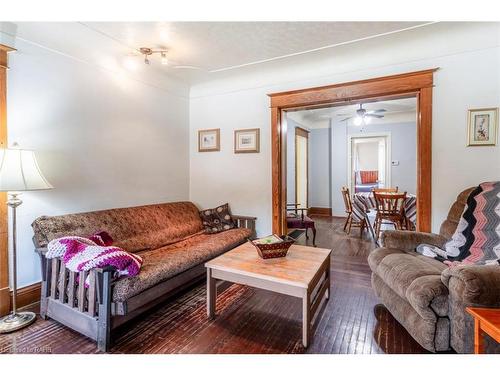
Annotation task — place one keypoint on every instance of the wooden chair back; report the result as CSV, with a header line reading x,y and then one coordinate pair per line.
x,y
385,190
390,204
347,200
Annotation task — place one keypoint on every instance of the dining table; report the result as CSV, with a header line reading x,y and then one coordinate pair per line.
x,y
364,202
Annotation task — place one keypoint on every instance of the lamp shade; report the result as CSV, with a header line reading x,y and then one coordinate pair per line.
x,y
19,171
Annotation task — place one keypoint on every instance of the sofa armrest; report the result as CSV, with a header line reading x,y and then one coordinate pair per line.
x,y
408,240
242,217
246,222
41,250
473,284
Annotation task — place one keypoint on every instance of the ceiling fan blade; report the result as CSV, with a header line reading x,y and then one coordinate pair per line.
x,y
376,111
374,115
345,119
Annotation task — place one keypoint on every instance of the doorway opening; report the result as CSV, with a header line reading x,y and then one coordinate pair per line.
x,y
369,162
408,85
330,150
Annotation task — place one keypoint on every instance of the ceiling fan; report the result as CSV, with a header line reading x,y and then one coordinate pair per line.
x,y
363,116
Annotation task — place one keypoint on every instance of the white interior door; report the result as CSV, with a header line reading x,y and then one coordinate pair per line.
x,y
369,152
301,174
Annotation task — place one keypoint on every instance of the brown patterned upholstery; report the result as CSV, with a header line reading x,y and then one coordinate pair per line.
x,y
133,228
169,237
168,261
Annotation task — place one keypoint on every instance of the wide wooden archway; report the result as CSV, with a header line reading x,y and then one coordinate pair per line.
x,y
418,84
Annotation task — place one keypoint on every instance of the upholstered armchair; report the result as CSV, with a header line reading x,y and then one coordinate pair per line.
x,y
426,296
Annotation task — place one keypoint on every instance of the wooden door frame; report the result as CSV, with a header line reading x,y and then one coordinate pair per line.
x,y
418,84
4,251
301,132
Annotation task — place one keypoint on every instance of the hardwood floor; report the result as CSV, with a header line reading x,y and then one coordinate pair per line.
x,y
250,320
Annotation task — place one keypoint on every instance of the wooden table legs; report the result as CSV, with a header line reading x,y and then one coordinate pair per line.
x,y
211,294
306,319
311,304
312,296
478,337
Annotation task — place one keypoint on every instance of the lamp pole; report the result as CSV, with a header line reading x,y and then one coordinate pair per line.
x,y
15,320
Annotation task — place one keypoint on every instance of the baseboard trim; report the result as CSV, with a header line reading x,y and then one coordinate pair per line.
x,y
324,211
27,295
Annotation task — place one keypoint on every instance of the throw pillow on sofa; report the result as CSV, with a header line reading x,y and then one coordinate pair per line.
x,y
217,219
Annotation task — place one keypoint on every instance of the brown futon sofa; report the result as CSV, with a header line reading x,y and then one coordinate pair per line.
x,y
427,297
169,237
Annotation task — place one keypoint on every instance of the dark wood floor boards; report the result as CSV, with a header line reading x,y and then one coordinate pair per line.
x,y
250,320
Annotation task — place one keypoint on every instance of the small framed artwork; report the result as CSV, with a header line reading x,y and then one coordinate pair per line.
x,y
246,141
208,140
482,127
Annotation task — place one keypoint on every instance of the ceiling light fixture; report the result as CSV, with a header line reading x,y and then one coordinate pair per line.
x,y
364,117
147,52
164,59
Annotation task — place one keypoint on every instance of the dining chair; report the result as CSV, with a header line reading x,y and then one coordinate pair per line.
x,y
385,190
351,220
297,218
390,209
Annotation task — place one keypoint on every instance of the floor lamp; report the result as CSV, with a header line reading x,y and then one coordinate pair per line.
x,y
18,172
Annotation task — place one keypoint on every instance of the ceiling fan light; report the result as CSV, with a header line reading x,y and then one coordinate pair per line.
x,y
358,120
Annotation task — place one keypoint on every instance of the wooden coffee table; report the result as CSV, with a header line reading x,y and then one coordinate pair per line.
x,y
303,273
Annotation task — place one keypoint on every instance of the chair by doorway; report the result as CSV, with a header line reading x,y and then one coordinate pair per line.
x,y
351,220
390,209
297,219
385,190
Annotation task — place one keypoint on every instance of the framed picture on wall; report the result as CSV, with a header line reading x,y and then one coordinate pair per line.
x,y
208,140
482,127
246,141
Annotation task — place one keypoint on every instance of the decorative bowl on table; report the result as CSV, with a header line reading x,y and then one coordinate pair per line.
x,y
272,246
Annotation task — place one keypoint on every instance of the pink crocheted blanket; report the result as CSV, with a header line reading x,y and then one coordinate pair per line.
x,y
84,254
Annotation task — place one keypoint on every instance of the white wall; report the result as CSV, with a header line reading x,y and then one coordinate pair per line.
x,y
403,149
102,140
368,155
290,156
320,168
468,58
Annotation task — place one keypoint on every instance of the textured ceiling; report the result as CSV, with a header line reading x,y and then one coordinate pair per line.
x,y
198,50
215,46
